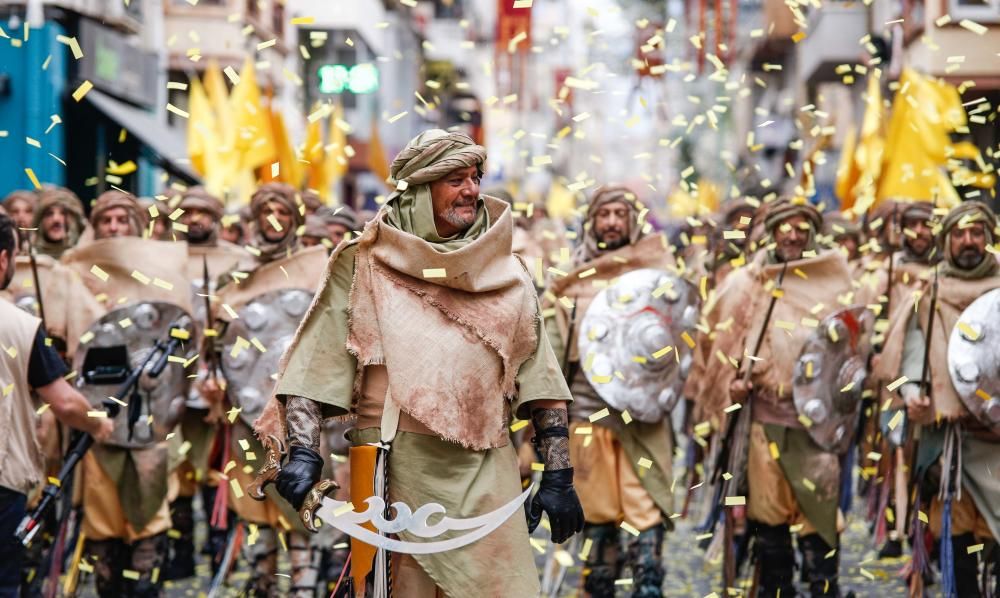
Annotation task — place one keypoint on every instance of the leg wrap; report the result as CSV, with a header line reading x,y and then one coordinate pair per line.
x,y
603,561
776,559
645,555
262,556
108,559
818,570
181,560
146,557
305,565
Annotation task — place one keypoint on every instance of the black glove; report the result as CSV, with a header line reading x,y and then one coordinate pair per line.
x,y
558,499
299,474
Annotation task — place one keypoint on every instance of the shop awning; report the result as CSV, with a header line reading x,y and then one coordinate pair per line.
x,y
166,142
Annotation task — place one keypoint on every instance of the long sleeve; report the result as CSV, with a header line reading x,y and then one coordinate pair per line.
x,y
912,363
540,377
319,367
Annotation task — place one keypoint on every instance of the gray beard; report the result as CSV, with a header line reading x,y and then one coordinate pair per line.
x,y
452,217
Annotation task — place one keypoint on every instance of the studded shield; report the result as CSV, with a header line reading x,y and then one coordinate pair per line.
x,y
120,341
829,377
974,359
635,344
254,343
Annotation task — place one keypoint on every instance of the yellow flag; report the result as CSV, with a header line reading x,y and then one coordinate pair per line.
x,y
314,152
336,157
847,170
254,141
202,137
376,154
290,169
870,150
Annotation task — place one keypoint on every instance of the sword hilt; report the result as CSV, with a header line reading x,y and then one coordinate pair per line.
x,y
313,501
268,473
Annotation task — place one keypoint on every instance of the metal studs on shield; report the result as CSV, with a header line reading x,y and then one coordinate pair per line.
x,y
974,359
624,339
254,343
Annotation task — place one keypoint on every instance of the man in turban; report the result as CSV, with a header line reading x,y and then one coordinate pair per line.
x,y
117,214
340,222
792,481
20,206
59,221
614,484
956,459
443,345
274,261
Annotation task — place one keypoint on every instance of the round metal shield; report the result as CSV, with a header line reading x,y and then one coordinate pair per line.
x,y
254,343
122,340
829,377
974,359
631,342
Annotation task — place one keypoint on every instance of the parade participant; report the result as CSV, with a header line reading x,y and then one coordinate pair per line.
x,y
910,268
126,489
233,228
208,257
450,357
28,364
312,202
315,233
340,222
59,221
957,450
843,235
791,480
613,486
20,206
736,217
276,263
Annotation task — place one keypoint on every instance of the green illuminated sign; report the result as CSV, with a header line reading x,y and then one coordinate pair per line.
x,y
338,78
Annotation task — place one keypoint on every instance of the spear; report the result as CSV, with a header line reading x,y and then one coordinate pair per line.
x,y
209,354
38,285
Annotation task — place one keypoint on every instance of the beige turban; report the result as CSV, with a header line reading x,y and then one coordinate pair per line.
x,y
199,198
433,154
119,199
784,208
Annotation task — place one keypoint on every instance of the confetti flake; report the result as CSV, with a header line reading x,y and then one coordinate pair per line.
x,y
81,91
897,383
434,273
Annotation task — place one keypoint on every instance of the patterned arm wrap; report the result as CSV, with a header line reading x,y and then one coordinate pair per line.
x,y
304,422
551,438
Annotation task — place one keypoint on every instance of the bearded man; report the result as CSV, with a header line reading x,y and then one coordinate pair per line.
x,y
443,345
792,481
274,261
210,256
966,484
614,487
59,221
911,268
126,491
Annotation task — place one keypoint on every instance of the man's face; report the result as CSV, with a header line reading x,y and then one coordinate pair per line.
x,y
200,224
336,231
453,198
55,224
21,212
282,214
310,241
232,233
791,237
611,225
114,223
968,245
917,235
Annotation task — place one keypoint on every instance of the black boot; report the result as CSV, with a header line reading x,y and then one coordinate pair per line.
x,y
966,566
181,546
603,562
819,571
146,558
776,559
645,555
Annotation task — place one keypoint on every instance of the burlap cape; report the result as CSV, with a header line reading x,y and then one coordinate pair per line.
x,y
953,296
69,307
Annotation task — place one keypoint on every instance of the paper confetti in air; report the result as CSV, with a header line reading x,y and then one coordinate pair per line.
x,y
735,501
82,90
897,383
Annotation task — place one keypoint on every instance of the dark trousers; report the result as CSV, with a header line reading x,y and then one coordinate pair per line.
x,y
12,507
